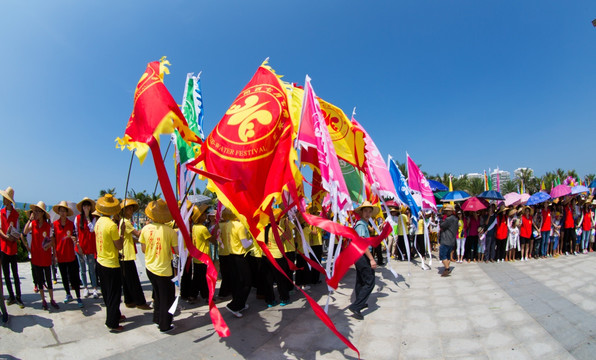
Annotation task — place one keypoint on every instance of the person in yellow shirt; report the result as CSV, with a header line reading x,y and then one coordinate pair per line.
x,y
235,238
403,223
201,238
108,241
131,284
157,243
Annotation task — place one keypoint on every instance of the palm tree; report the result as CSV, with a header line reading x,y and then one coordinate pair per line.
x,y
111,191
508,187
460,183
475,186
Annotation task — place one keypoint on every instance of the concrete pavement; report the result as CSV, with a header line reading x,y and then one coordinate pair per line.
x,y
522,310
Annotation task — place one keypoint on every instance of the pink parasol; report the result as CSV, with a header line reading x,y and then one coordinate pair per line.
x,y
524,198
512,198
473,204
560,190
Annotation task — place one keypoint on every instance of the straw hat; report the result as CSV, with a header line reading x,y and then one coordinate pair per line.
x,y
63,204
502,209
95,213
107,205
448,207
512,212
367,204
130,202
90,201
158,211
41,206
227,214
198,211
531,210
8,194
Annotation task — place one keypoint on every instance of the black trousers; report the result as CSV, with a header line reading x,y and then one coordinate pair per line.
x,y
131,284
258,282
490,246
186,286
303,272
241,282
111,291
501,249
9,262
315,275
378,254
365,283
225,268
419,244
69,272
163,298
570,236
472,247
199,281
292,256
271,275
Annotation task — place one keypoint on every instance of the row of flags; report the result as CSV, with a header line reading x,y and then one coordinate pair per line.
x,y
252,161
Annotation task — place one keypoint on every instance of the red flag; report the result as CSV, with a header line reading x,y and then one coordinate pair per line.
x,y
154,113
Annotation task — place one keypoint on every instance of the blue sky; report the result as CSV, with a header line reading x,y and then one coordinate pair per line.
x,y
462,86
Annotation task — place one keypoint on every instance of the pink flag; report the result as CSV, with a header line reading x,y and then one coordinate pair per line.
x,y
418,182
377,173
314,128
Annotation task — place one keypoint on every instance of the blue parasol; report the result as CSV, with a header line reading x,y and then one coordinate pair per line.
x,y
456,195
491,195
538,198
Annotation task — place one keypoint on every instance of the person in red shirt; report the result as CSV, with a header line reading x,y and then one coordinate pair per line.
x,y
85,249
9,226
545,227
525,233
569,234
64,240
502,232
587,227
41,251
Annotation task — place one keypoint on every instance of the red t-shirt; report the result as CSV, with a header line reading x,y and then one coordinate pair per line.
x,y
569,224
64,245
502,229
39,256
86,237
526,227
6,246
546,220
587,222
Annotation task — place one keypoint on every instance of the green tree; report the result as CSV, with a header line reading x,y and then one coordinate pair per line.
x,y
508,187
475,186
111,191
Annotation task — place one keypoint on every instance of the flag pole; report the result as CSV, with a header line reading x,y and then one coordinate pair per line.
x,y
187,190
164,159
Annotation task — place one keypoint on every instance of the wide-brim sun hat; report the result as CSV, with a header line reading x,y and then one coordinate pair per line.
x,y
107,205
130,202
41,206
90,201
198,211
63,204
448,207
367,204
531,210
512,212
158,212
227,214
8,194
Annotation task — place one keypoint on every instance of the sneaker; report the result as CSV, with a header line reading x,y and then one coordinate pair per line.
x,y
245,307
68,299
86,293
35,289
144,307
80,303
44,305
116,329
20,303
305,287
54,305
95,294
283,303
271,305
11,301
236,313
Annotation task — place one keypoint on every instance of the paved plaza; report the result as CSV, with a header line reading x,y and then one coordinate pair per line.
x,y
523,310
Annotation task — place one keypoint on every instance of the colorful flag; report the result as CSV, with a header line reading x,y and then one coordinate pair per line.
x,y
403,190
376,170
418,182
490,181
542,186
354,181
154,113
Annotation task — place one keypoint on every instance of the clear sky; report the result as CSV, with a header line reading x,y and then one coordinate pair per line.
x,y
462,86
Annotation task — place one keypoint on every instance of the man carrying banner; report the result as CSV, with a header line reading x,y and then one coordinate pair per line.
x,y
366,265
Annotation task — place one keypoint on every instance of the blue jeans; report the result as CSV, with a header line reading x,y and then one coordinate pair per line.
x,y
555,241
544,242
585,239
84,262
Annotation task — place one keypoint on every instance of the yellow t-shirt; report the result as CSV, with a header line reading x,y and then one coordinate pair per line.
x,y
420,229
200,239
290,244
158,240
225,250
128,249
106,232
314,235
272,245
231,234
401,230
